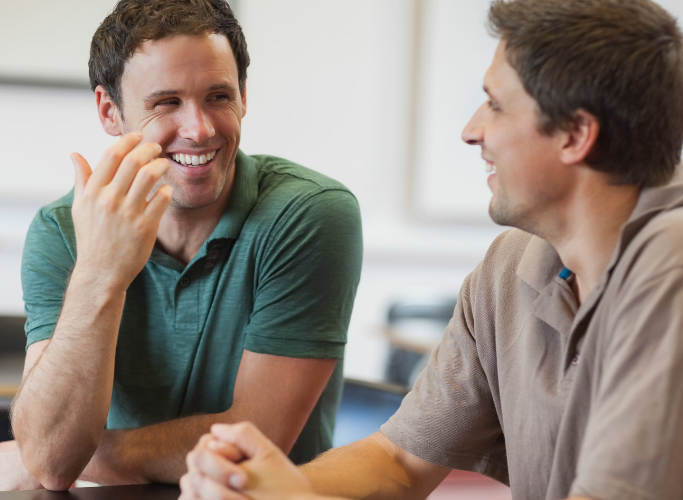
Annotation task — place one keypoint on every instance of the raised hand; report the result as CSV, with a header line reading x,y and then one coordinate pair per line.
x,y
116,216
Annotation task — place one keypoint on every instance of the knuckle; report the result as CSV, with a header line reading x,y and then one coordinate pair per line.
x,y
112,154
106,203
146,176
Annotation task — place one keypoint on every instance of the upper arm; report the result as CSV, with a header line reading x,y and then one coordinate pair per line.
x,y
48,258
306,280
278,393
449,417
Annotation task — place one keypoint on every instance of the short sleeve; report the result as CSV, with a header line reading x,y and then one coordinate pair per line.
x,y
449,417
307,280
48,258
633,446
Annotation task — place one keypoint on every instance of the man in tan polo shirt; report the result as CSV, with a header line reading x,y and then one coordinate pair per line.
x,y
561,372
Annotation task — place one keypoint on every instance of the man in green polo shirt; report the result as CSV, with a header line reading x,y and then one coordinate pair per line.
x,y
182,282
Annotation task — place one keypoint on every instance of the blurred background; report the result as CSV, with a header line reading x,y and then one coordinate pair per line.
x,y
373,93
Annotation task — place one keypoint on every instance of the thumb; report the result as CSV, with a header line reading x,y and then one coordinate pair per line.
x,y
82,173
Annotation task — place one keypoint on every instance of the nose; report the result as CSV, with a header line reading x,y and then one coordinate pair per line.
x,y
196,124
473,133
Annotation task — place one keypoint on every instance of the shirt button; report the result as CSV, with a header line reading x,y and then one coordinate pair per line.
x,y
184,281
575,359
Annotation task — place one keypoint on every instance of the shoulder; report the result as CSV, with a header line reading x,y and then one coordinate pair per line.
x,y
280,177
58,212
505,254
658,246
53,221
288,191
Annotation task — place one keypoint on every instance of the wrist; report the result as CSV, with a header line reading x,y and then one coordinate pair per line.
x,y
96,282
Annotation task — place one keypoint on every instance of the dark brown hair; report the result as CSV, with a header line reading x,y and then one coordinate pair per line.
x,y
620,60
133,22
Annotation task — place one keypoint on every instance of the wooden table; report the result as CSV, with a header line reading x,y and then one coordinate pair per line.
x,y
136,492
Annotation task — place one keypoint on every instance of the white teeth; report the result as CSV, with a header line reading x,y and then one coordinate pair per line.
x,y
193,160
490,168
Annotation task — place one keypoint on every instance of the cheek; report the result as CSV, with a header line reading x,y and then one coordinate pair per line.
x,y
160,129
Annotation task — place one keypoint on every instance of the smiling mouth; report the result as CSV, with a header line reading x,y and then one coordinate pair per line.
x,y
193,160
490,168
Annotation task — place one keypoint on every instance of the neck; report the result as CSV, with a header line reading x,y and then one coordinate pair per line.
x,y
589,229
182,231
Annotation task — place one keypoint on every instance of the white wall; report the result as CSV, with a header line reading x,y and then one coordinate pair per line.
x,y
332,86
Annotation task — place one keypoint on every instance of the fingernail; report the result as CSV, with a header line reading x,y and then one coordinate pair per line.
x,y
235,481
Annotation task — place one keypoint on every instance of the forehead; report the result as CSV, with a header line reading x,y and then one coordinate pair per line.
x,y
180,60
502,82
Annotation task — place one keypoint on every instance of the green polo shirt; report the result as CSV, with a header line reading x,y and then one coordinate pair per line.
x,y
278,275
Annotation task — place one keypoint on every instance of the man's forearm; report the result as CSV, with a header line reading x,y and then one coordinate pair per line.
x,y
373,468
62,404
155,453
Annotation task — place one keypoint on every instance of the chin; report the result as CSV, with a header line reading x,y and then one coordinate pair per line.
x,y
191,202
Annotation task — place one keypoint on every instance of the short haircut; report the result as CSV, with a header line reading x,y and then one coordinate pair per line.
x,y
620,60
133,22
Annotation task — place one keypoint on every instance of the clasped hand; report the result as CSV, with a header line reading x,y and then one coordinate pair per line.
x,y
115,213
237,462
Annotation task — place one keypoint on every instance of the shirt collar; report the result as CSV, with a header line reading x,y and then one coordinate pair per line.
x,y
540,264
241,202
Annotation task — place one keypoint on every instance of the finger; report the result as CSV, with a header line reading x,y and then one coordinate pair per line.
x,y
112,158
186,491
159,202
201,445
214,466
131,164
207,489
144,181
227,450
245,436
82,173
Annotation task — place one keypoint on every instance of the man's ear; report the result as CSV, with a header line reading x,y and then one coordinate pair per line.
x,y
108,112
243,95
580,138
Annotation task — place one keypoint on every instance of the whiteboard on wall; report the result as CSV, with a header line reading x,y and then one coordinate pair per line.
x,y
455,52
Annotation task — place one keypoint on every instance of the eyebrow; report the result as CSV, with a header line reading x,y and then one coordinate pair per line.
x,y
165,93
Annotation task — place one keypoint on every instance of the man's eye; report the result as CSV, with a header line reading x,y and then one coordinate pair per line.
x,y
168,102
492,105
220,97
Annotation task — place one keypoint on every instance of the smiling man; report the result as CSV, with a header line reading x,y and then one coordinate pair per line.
x,y
182,283
561,371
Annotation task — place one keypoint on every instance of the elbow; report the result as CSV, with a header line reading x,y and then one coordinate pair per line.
x,y
55,482
50,473
56,471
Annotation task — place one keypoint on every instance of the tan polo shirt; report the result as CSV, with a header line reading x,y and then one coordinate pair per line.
x,y
554,399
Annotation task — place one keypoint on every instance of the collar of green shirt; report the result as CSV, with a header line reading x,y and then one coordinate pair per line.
x,y
240,204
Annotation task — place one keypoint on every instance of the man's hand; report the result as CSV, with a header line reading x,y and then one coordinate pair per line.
x,y
115,218
13,474
237,462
